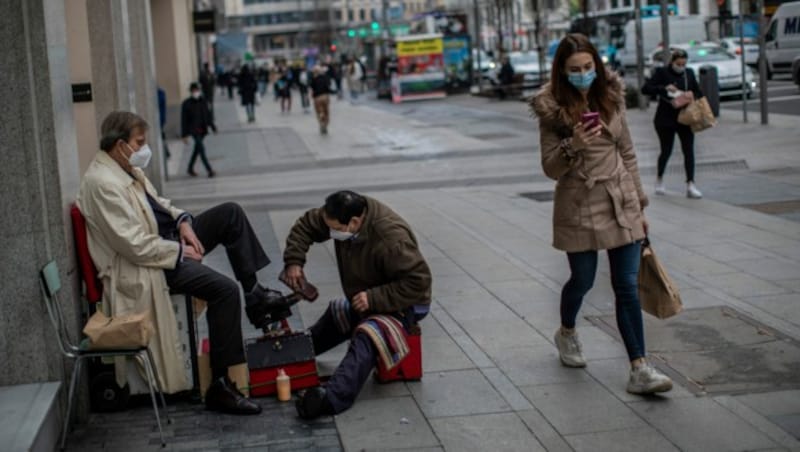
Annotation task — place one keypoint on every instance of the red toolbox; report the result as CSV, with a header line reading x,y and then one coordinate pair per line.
x,y
294,353
410,368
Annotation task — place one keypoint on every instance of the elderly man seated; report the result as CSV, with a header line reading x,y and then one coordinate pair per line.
x,y
144,247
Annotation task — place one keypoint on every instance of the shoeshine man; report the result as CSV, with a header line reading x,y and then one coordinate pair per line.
x,y
385,279
144,248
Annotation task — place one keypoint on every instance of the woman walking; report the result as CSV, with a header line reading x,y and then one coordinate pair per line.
x,y
247,89
586,146
676,86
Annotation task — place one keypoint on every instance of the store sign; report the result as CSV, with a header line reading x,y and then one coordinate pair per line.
x,y
204,21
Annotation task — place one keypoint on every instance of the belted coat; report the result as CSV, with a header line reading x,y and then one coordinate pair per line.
x,y
131,257
598,196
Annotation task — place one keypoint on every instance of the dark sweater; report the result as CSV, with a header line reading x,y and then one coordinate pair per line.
x,y
196,119
383,259
666,114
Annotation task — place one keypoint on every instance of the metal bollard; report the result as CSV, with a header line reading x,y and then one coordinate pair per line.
x,y
709,85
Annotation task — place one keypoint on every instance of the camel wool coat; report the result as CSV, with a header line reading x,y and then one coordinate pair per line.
x,y
130,258
598,197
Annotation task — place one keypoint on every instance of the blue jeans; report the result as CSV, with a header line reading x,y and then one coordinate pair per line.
x,y
624,265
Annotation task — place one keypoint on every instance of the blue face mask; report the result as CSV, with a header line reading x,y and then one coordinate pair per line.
x,y
582,81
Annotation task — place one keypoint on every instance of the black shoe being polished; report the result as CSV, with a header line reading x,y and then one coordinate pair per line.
x,y
313,403
261,302
223,396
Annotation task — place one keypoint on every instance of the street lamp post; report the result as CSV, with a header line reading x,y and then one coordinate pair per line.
x,y
478,45
762,63
744,66
639,53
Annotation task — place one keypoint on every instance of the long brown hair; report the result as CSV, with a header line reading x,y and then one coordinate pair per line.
x,y
566,95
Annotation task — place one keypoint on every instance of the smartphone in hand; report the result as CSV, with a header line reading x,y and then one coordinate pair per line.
x,y
590,119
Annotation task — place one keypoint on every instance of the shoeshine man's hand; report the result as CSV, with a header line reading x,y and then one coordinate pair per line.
x,y
190,240
294,276
360,302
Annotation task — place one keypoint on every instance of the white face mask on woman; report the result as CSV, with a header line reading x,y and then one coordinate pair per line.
x,y
140,158
678,69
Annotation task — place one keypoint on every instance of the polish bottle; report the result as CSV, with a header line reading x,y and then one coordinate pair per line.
x,y
284,386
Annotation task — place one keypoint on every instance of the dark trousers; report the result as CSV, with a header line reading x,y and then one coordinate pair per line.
x,y
304,101
624,265
354,369
199,150
226,225
251,112
666,136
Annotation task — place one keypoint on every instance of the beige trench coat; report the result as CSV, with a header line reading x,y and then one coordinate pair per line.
x,y
598,197
131,257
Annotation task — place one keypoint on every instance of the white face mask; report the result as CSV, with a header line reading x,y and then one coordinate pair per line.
x,y
341,235
140,158
196,94
678,69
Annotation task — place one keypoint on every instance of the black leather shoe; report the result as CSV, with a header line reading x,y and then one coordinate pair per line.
x,y
223,396
264,305
313,403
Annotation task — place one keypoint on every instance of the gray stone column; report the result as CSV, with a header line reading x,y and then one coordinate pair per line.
x,y
123,67
38,179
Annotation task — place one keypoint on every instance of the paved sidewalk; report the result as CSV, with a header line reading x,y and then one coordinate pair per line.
x,y
492,377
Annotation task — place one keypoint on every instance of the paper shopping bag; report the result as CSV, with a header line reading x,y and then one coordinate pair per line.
x,y
119,332
657,292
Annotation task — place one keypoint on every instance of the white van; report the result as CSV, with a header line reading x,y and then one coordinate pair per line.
x,y
682,29
783,39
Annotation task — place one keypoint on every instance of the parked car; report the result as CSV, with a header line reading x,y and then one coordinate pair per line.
x,y
487,65
729,67
526,69
732,45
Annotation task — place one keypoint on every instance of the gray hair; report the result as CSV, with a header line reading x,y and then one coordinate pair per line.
x,y
119,125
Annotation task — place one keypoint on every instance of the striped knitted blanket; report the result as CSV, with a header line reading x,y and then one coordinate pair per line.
x,y
389,337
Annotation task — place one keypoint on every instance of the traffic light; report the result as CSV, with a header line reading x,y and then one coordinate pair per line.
x,y
351,33
376,26
333,48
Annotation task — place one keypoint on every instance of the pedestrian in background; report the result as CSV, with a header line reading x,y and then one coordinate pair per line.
x,y
162,120
505,77
284,88
320,91
247,91
355,73
676,86
196,120
302,87
207,82
599,199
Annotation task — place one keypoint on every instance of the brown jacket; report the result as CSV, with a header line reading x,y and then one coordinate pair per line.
x,y
383,259
599,197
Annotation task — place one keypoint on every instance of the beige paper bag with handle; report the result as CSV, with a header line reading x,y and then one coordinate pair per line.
x,y
119,332
657,292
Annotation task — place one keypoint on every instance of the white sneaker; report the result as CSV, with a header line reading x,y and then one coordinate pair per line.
x,y
660,189
645,379
692,191
569,349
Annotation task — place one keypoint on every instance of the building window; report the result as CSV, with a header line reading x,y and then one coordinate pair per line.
x,y
349,15
361,15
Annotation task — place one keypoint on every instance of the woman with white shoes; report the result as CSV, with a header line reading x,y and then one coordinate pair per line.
x,y
675,86
586,146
